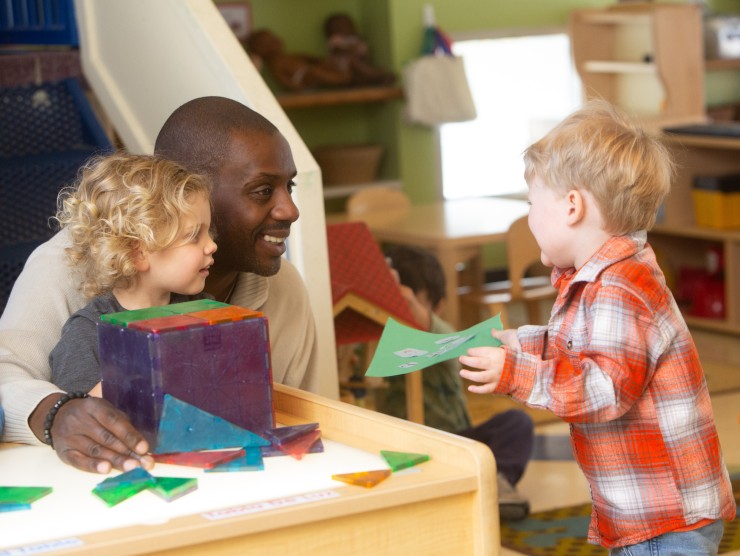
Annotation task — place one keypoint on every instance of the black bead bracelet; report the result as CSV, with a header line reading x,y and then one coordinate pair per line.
x,y
49,421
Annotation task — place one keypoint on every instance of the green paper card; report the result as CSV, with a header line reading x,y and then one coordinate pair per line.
x,y
403,349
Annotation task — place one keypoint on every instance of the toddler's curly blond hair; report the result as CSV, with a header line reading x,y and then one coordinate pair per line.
x,y
121,204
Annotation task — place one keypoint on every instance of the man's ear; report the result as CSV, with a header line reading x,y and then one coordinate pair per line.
x,y
576,206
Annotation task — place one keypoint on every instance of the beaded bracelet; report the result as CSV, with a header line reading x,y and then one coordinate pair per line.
x,y
49,421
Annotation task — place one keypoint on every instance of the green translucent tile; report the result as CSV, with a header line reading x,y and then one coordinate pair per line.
x,y
172,488
125,317
250,461
365,479
116,495
135,476
402,460
7,507
196,305
22,494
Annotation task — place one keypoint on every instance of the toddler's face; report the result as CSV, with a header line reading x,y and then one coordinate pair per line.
x,y
547,214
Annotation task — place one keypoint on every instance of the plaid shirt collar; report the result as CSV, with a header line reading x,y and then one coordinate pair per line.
x,y
617,248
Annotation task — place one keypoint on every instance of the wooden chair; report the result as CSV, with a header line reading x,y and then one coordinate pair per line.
x,y
523,254
374,199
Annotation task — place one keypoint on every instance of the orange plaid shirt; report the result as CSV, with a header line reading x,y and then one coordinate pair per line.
x,y
617,362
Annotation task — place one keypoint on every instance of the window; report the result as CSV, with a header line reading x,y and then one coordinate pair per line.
x,y
522,86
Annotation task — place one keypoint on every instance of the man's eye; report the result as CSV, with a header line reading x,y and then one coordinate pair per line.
x,y
291,186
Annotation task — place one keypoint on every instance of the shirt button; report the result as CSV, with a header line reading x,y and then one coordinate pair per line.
x,y
570,344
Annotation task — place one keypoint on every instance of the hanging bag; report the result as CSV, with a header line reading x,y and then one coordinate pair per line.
x,y
436,86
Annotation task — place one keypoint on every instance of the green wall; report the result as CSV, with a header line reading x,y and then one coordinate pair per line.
x,y
394,28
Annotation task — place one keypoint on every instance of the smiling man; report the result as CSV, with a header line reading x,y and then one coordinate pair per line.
x,y
252,170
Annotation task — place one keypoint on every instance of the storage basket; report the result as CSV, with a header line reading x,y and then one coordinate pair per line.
x,y
348,164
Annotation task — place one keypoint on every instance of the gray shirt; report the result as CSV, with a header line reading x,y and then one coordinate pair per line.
x,y
74,361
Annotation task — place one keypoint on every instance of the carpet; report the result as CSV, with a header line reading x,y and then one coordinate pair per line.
x,y
562,532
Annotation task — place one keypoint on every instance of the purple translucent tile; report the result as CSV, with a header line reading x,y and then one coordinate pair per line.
x,y
274,451
223,369
281,435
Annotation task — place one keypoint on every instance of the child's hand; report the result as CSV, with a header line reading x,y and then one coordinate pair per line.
x,y
97,390
489,361
507,337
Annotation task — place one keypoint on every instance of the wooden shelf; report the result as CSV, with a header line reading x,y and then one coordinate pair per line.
x,y
333,97
341,191
722,64
608,66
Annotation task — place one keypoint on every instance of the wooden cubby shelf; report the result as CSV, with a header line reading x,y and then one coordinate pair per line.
x,y
333,97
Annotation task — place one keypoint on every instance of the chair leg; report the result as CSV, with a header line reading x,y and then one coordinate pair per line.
x,y
533,312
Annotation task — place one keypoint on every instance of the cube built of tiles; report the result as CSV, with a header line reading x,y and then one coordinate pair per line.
x,y
211,355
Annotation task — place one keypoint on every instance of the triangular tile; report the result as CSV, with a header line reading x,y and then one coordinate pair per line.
x,y
302,445
185,428
204,460
365,479
172,488
281,435
402,460
251,461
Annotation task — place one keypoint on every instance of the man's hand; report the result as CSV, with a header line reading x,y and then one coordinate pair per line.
x,y
92,435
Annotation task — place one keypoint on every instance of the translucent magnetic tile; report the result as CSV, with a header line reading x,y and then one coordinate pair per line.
x,y
124,317
273,451
185,428
162,324
172,488
402,460
365,479
204,460
195,305
301,446
226,314
251,461
281,435
118,494
135,476
22,494
8,507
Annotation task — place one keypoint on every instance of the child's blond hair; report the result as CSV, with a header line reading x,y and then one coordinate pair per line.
x,y
121,204
599,150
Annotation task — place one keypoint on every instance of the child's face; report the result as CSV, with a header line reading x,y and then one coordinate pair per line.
x,y
547,220
183,267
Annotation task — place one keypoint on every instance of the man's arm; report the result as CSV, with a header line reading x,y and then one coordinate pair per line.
x,y
89,434
42,299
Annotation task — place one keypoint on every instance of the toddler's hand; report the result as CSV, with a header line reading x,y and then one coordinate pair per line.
x,y
508,338
489,361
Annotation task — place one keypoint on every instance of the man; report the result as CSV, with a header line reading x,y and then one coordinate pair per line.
x,y
252,170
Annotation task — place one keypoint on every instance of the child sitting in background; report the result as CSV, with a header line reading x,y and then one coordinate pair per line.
x,y
140,228
616,360
509,434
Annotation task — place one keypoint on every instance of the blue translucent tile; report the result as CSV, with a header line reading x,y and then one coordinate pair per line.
x,y
185,428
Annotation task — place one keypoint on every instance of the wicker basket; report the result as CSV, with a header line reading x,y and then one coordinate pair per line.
x,y
348,164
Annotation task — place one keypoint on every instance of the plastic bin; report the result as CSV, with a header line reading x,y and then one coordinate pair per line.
x,y
717,201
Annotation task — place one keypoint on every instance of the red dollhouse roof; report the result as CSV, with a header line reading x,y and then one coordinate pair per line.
x,y
364,292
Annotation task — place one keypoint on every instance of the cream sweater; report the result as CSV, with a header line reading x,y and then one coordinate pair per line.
x,y
45,295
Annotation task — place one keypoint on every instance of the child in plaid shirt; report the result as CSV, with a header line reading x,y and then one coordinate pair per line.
x,y
616,360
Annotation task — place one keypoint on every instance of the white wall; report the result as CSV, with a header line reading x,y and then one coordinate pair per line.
x,y
144,58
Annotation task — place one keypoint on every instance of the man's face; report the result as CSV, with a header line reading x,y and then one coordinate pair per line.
x,y
252,204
